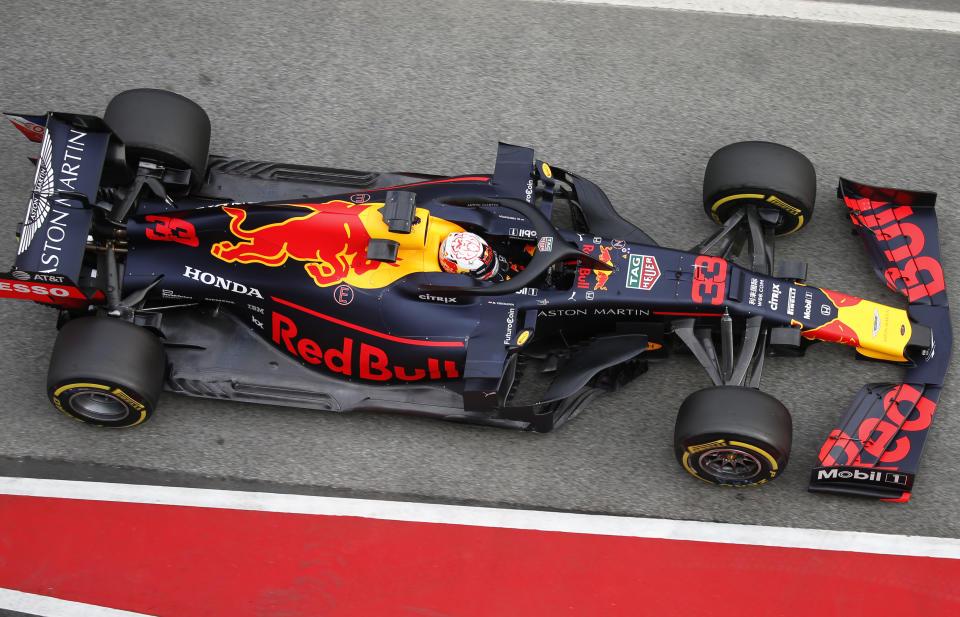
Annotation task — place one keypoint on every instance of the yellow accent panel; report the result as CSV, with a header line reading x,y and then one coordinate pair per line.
x,y
547,172
97,386
326,251
523,337
888,343
765,454
418,251
879,356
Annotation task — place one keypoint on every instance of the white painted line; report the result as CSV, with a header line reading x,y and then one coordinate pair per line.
x,y
47,606
724,533
808,10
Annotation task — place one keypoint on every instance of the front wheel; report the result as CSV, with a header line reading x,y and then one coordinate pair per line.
x,y
733,436
765,174
106,372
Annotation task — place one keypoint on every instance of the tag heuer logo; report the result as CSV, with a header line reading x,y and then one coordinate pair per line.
x,y
643,272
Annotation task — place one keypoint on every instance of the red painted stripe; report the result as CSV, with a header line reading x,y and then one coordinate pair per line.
x,y
65,295
461,179
188,561
903,498
689,314
347,324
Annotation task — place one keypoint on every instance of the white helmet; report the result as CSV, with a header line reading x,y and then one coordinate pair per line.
x,y
463,252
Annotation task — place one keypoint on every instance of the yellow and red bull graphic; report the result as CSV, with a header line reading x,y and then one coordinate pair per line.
x,y
584,274
331,239
877,331
603,275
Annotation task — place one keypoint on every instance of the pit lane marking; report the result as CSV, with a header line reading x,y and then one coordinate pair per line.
x,y
806,10
47,606
722,533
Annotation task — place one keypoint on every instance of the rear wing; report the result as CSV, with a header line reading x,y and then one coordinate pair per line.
x,y
875,450
53,236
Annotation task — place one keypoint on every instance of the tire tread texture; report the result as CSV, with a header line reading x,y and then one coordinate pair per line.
x,y
112,350
760,166
163,125
734,410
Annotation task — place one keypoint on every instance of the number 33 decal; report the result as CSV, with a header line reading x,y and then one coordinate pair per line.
x,y
709,280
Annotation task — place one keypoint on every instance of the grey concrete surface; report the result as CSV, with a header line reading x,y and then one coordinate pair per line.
x,y
924,5
634,99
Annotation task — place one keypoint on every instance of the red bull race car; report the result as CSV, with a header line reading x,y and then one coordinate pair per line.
x,y
325,288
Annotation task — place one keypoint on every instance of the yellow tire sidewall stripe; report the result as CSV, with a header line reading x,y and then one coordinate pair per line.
x,y
97,386
729,198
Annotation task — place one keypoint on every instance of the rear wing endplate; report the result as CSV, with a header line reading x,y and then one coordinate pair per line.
x,y
57,221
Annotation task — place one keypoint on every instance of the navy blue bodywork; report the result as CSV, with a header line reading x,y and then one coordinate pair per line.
x,y
301,286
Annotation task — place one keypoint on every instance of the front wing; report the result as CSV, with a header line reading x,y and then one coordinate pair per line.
x,y
875,450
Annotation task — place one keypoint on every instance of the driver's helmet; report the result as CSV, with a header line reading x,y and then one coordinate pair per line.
x,y
463,252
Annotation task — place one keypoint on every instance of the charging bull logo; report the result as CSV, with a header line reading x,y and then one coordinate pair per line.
x,y
602,276
331,238
877,331
837,330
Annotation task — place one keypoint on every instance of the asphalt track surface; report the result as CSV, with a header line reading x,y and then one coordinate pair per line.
x,y
635,99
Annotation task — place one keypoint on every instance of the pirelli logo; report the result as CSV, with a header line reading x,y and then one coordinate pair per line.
x,y
783,205
706,446
126,398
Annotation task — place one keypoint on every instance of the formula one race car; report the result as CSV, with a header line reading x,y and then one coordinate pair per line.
x,y
454,297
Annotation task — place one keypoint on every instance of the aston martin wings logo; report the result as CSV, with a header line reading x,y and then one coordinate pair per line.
x,y
39,206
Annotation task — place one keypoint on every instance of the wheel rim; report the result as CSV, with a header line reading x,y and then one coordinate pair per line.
x,y
730,464
98,405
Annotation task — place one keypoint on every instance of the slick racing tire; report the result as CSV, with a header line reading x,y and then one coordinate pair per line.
x,y
763,173
161,126
106,372
733,436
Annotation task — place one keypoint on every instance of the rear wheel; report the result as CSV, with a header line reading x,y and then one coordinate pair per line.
x,y
106,372
733,436
161,126
762,173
